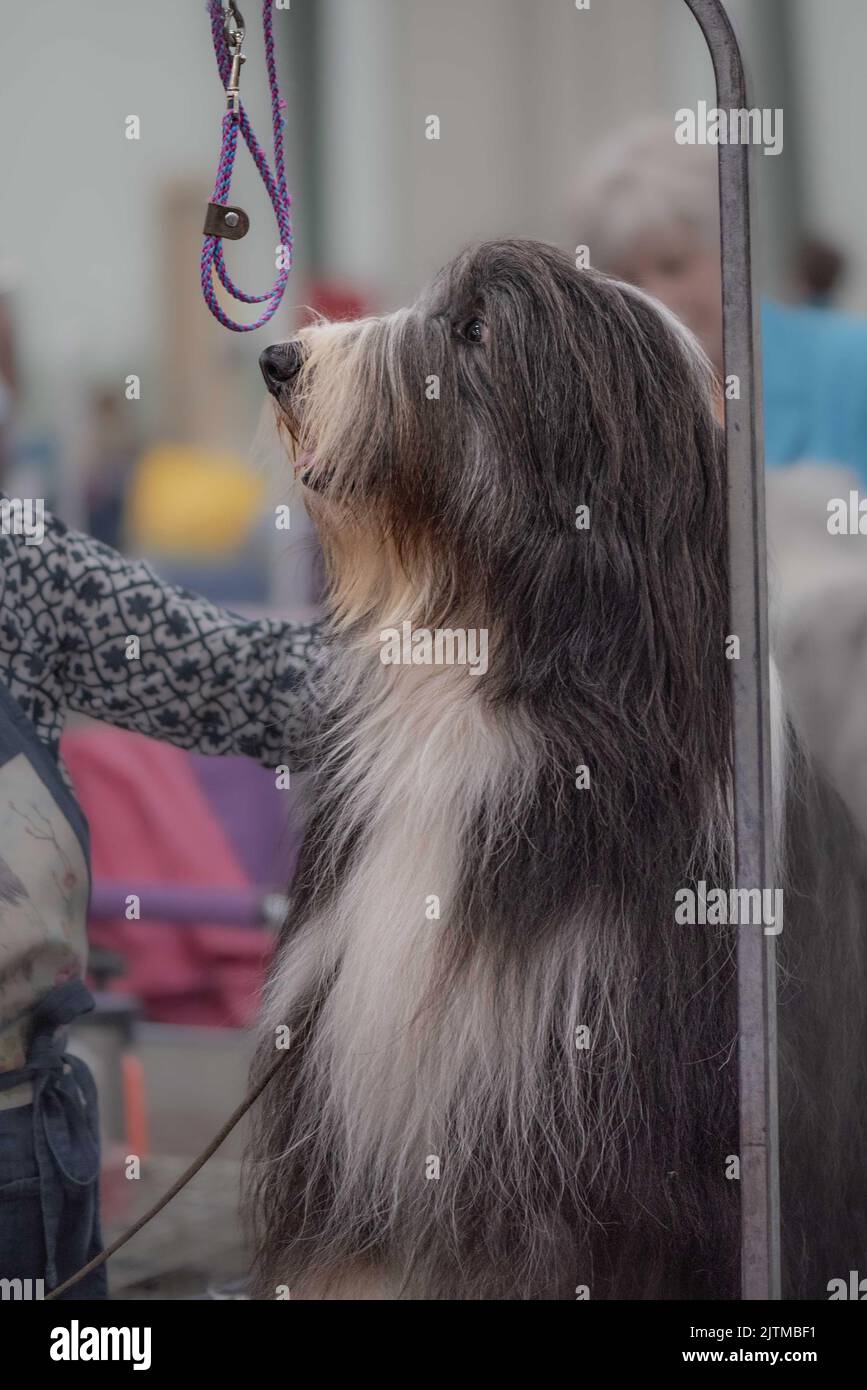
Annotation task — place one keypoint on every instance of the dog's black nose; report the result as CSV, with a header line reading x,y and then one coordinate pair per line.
x,y
280,364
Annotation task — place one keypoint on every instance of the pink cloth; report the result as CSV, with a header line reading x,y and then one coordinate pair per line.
x,y
149,823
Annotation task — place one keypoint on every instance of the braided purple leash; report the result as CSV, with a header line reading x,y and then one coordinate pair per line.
x,y
275,183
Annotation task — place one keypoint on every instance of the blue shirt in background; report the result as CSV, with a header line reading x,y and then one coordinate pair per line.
x,y
815,387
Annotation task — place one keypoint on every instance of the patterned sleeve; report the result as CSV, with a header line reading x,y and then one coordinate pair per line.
x,y
84,628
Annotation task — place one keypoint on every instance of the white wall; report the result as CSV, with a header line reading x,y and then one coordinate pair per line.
x,y
80,227
831,52
523,89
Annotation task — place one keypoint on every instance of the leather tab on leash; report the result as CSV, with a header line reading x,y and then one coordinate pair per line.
x,y
221,220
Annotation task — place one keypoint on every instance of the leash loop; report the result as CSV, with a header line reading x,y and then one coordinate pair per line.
x,y
228,32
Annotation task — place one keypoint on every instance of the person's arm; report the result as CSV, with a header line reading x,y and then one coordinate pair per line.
x,y
117,643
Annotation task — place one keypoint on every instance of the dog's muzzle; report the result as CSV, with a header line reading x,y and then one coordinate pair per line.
x,y
280,365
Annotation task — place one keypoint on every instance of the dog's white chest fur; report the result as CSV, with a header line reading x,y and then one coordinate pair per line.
x,y
422,758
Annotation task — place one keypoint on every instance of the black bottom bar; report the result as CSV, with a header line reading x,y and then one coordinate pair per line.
x,y
261,1342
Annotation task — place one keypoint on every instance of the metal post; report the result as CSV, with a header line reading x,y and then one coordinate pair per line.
x,y
753,810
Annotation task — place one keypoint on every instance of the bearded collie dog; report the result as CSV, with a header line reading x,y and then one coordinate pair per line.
x,y
511,1073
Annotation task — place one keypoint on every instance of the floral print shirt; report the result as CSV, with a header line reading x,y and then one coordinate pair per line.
x,y
83,628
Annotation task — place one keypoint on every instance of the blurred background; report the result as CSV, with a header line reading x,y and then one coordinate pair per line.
x,y
555,123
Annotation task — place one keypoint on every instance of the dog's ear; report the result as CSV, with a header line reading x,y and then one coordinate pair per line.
x,y
611,581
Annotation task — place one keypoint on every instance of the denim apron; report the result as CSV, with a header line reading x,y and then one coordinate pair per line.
x,y
49,1148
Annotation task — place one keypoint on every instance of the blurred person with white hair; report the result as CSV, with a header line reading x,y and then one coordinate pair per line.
x,y
648,209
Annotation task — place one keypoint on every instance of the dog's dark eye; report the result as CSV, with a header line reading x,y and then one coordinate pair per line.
x,y
474,331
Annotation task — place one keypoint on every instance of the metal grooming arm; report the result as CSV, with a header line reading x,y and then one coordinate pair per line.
x,y
753,808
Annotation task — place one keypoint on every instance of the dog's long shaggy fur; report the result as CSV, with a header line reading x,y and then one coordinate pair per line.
x,y
437,1131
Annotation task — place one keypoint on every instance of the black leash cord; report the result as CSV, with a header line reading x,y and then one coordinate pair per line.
x,y
238,1114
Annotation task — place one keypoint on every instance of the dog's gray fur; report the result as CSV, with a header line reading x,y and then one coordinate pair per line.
x,y
453,1037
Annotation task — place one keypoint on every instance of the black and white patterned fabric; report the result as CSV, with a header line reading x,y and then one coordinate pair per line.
x,y
82,628
203,679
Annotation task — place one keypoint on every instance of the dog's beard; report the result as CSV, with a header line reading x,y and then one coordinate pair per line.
x,y
333,411
332,420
